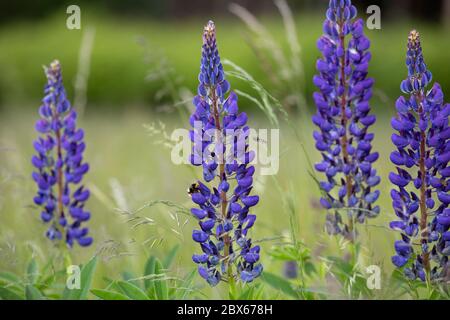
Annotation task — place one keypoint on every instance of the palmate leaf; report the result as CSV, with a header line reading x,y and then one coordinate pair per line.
x,y
87,273
280,284
131,290
9,294
33,293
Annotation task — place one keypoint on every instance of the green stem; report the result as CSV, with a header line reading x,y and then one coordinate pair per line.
x,y
344,122
423,223
223,196
231,284
354,254
67,257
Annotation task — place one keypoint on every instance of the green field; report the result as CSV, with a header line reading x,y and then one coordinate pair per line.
x,y
128,170
116,54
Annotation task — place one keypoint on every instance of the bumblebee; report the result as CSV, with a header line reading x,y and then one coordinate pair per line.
x,y
194,188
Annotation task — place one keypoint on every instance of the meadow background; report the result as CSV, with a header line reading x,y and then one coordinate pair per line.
x,y
140,73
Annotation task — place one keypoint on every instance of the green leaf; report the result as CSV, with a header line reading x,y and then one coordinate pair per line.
x,y
129,276
258,292
108,295
7,294
246,294
161,288
45,282
11,282
232,289
32,271
87,273
132,291
171,256
32,293
9,277
280,284
149,269
252,292
435,295
310,268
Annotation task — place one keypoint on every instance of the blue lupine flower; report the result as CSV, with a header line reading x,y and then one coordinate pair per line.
x,y
223,209
59,165
421,198
343,119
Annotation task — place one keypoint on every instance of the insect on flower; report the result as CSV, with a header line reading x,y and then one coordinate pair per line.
x,y
220,145
421,197
59,165
343,119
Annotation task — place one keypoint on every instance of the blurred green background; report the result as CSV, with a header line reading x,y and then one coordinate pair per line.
x,y
144,61
33,33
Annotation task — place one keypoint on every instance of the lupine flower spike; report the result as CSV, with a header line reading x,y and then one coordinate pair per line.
x,y
59,165
223,199
421,198
343,117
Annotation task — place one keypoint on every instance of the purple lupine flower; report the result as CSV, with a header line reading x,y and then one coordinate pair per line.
x,y
343,117
220,146
59,165
421,198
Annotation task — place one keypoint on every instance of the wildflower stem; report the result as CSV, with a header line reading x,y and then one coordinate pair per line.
x,y
231,285
423,190
344,120
223,195
60,183
59,176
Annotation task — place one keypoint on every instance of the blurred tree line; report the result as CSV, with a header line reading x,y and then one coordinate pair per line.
x,y
435,11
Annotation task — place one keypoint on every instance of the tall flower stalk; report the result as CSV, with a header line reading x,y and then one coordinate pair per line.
x,y
59,165
220,145
421,198
343,119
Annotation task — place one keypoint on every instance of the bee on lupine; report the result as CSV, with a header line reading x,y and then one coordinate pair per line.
x,y
223,199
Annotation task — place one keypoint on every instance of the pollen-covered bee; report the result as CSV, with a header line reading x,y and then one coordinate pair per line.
x,y
194,188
